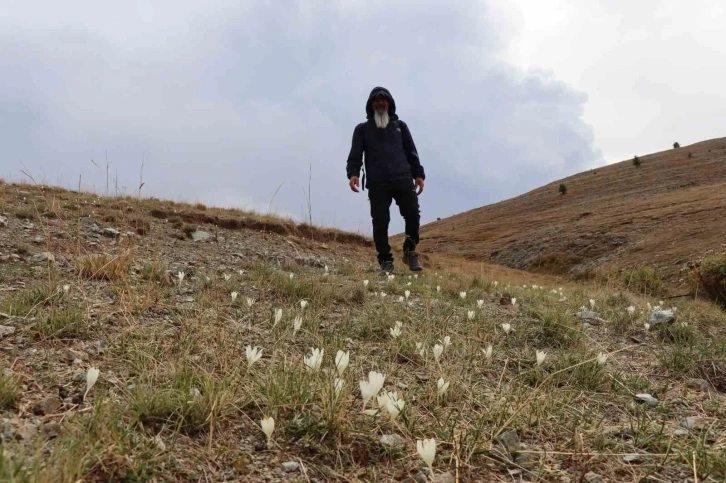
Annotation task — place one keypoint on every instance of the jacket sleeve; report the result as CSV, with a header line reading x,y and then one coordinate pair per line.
x,y
355,157
411,154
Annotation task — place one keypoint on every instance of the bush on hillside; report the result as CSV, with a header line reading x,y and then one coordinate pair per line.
x,y
563,189
636,161
711,277
676,145
644,280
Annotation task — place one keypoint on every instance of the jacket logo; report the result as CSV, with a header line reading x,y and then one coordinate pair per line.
x,y
398,129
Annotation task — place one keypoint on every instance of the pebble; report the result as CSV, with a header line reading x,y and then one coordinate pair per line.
x,y
647,399
698,384
6,330
658,317
510,440
592,477
444,478
110,232
632,459
393,441
681,432
47,406
42,257
290,466
3,222
199,235
690,422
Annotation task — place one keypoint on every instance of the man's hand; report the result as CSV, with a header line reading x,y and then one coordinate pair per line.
x,y
419,186
354,183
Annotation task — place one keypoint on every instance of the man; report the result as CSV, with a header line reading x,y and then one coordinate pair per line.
x,y
393,172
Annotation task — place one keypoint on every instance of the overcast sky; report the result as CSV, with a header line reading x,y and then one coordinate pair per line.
x,y
227,101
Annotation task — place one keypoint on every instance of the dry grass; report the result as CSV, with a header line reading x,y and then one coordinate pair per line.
x,y
178,401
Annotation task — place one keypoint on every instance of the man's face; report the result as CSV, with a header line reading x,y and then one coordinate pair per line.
x,y
380,104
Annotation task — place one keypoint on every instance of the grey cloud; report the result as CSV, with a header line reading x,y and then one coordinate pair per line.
x,y
236,101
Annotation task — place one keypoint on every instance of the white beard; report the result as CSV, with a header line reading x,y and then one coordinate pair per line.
x,y
381,119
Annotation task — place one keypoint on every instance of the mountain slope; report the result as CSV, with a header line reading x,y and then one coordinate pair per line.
x,y
665,213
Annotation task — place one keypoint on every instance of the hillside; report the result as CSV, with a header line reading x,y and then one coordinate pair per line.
x,y
143,340
668,212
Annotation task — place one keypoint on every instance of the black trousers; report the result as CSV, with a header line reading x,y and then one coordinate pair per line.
x,y
380,196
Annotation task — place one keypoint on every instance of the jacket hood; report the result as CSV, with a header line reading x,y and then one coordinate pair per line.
x,y
391,103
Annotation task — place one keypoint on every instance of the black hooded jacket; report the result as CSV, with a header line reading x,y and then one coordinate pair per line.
x,y
390,154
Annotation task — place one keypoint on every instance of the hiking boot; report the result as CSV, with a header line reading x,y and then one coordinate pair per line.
x,y
411,258
387,267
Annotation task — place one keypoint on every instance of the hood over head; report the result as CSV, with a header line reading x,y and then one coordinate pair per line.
x,y
391,103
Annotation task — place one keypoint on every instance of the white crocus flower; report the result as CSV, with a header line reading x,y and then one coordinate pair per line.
x,y
496,283
540,357
180,275
630,310
514,300
479,304
250,301
507,328
292,275
66,288
396,331
438,288
341,361
488,352
296,325
427,451
278,317
391,278
447,341
462,295
438,350
371,387
253,355
314,360
592,303
234,296
303,304
442,386
401,299
227,277
241,272
91,378
470,315
407,294
268,426
365,283
602,359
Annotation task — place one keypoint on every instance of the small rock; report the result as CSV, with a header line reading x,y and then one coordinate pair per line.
x,y
698,384
393,441
110,232
63,392
444,478
647,399
690,422
38,239
3,222
25,431
77,398
681,432
658,317
632,459
290,466
592,477
159,443
79,377
510,440
199,235
260,446
590,317
420,477
51,429
42,257
6,330
47,406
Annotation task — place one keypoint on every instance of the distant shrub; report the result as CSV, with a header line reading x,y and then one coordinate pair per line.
x,y
711,276
557,263
563,189
676,145
690,155
644,280
636,161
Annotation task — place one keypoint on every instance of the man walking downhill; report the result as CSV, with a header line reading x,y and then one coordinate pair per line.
x,y
393,172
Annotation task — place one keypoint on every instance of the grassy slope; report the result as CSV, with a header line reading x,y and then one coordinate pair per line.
x,y
177,401
665,213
